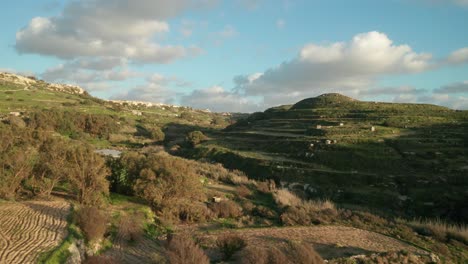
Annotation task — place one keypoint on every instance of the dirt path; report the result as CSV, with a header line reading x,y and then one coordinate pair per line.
x,y
329,241
30,228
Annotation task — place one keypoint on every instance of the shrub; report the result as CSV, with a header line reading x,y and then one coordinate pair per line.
x,y
307,212
181,249
440,230
263,187
243,191
171,186
264,212
93,222
156,134
254,255
284,197
304,254
226,209
228,245
130,227
195,137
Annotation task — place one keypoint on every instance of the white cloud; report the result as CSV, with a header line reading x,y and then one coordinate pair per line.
x,y
108,28
90,72
216,98
459,56
337,67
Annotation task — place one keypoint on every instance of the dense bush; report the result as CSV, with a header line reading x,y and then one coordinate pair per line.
x,y
93,222
229,244
226,209
169,184
181,249
195,137
156,134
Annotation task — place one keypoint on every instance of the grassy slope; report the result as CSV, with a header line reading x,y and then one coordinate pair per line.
x,y
416,151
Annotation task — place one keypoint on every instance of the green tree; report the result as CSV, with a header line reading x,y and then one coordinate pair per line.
x,y
195,137
49,170
156,134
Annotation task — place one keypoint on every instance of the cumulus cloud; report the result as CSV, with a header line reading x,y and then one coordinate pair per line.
x,y
90,73
108,28
216,98
337,67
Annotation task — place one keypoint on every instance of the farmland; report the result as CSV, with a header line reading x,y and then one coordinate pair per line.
x,y
30,228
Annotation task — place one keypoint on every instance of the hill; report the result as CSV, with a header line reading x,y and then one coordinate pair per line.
x,y
386,156
108,168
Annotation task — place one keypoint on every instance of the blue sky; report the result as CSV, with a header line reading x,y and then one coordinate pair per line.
x,y
243,55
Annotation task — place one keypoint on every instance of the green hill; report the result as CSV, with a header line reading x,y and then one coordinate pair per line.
x,y
406,158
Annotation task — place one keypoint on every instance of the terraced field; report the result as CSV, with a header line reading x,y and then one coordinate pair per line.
x,y
378,155
30,228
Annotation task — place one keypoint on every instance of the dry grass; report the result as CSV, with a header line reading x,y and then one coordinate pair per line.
x,y
181,249
284,197
130,227
299,212
226,209
441,230
294,253
243,191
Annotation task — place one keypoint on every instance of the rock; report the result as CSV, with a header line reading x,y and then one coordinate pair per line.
x,y
77,255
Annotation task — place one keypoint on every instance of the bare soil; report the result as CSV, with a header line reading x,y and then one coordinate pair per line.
x,y
28,229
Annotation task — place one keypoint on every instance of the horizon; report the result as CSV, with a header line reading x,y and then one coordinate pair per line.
x,y
243,56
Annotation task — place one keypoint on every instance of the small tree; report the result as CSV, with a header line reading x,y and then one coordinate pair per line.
x,y
49,170
87,174
195,137
156,134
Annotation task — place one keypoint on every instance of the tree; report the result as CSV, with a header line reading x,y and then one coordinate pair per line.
x,y
17,158
49,170
87,174
169,184
195,137
156,134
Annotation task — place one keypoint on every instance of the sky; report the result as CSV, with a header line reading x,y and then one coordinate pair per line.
x,y
243,55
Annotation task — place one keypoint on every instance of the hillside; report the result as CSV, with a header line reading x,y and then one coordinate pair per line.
x,y
329,178
386,156
123,123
